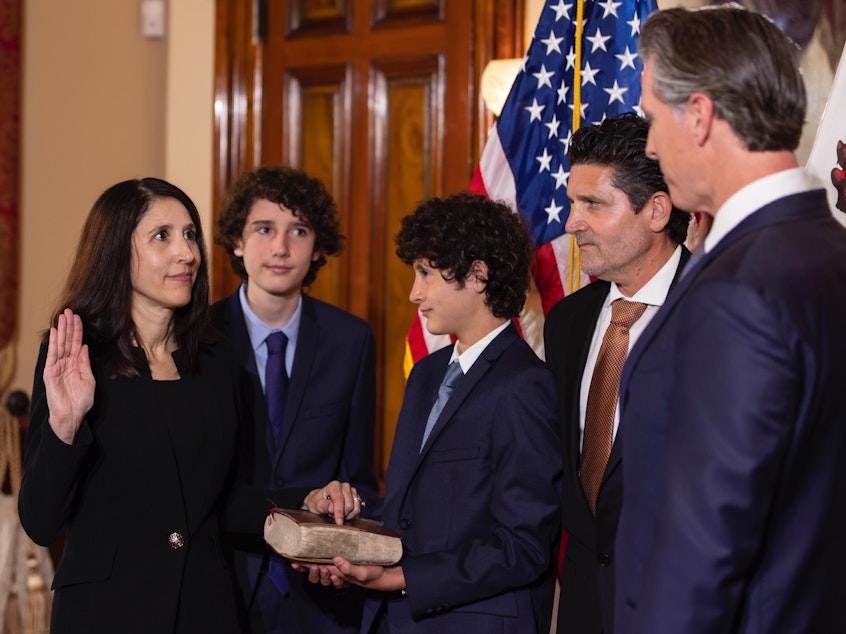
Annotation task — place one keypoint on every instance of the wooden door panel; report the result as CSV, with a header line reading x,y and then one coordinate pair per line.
x,y
318,15
317,140
408,137
321,141
405,9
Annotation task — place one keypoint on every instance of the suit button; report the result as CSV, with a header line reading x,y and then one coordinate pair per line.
x,y
175,540
405,524
605,560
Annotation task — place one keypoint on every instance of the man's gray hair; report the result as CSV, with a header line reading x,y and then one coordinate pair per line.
x,y
740,59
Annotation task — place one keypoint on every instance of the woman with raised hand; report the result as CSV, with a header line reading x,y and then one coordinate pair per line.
x,y
133,423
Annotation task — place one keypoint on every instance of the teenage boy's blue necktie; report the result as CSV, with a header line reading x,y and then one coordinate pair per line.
x,y
276,382
452,375
275,390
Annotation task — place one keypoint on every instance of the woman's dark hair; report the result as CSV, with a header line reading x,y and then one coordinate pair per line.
x,y
306,197
99,286
451,233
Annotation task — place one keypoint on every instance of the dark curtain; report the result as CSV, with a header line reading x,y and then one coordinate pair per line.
x,y
10,89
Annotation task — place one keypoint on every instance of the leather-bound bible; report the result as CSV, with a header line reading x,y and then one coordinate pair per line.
x,y
312,538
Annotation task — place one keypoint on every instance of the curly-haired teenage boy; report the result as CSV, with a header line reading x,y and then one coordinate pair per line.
x,y
473,480
278,226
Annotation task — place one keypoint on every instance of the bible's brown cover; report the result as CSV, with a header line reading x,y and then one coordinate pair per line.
x,y
311,538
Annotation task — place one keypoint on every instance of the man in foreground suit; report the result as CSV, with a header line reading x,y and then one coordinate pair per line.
x,y
630,238
278,226
474,475
732,408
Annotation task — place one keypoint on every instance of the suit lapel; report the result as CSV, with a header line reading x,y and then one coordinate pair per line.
x,y
796,208
617,447
465,386
256,425
307,340
685,257
429,385
419,396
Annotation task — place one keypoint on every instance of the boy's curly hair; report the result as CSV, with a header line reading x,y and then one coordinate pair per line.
x,y
306,197
453,232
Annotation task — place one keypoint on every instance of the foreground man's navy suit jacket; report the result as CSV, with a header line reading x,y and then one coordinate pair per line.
x,y
734,437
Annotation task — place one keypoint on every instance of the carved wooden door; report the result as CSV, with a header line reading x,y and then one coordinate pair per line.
x,y
377,98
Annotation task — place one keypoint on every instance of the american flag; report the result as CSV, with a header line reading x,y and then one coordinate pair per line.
x,y
582,61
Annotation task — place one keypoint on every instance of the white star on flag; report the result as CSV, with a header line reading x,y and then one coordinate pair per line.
x,y
553,212
571,59
544,160
610,8
553,126
535,110
627,59
588,75
543,77
561,10
562,92
552,43
598,40
561,177
566,140
635,24
615,93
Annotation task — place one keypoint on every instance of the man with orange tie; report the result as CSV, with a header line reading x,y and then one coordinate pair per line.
x,y
630,236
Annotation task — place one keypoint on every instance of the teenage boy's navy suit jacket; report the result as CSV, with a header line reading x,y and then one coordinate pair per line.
x,y
329,420
478,507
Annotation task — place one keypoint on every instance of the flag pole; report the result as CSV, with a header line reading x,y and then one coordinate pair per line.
x,y
574,277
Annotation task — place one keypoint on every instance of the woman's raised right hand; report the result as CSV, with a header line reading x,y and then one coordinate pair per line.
x,y
68,380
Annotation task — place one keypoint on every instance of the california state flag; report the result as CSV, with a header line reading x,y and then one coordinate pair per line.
x,y
827,162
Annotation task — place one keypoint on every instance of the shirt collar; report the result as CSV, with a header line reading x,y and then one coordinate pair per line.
x,y
469,356
258,330
752,197
654,292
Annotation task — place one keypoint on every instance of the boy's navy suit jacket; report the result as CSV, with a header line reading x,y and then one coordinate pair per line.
x,y
478,507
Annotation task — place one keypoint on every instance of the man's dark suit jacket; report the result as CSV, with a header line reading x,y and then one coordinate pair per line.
x,y
478,507
734,430
586,603
329,417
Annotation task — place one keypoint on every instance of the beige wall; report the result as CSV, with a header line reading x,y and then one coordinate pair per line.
x,y
189,124
102,104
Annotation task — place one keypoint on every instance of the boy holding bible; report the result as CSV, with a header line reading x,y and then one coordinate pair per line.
x,y
473,482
